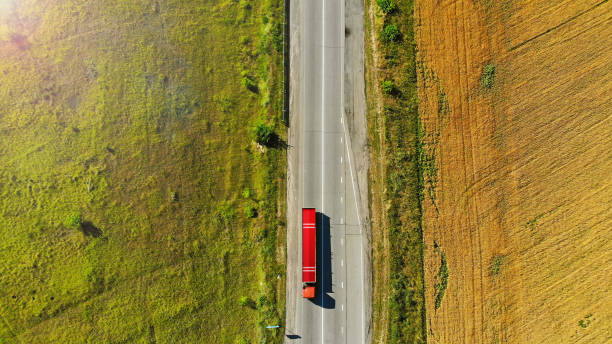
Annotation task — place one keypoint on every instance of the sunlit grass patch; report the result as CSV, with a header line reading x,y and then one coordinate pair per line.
x,y
124,151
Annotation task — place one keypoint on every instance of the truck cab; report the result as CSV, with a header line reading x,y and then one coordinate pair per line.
x,y
308,291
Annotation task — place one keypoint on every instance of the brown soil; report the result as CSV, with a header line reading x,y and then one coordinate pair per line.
x,y
520,200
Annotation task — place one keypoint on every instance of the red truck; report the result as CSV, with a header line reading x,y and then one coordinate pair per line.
x,y
309,252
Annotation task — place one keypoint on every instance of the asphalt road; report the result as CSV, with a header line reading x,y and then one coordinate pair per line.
x,y
323,175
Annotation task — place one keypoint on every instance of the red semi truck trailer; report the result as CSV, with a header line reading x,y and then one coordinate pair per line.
x,y
309,252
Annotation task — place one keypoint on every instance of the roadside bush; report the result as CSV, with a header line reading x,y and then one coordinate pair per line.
x,y
277,37
247,302
248,83
387,6
262,300
263,134
488,76
396,181
390,33
387,86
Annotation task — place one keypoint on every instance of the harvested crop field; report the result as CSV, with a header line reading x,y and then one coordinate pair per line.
x,y
135,205
515,105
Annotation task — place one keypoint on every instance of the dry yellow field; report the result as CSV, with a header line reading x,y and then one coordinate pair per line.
x,y
516,107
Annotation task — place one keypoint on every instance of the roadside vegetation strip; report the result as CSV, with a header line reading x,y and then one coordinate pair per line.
x,y
395,137
135,201
441,281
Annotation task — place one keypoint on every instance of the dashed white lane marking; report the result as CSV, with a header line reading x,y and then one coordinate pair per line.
x,y
342,241
342,262
341,199
342,306
341,140
342,284
341,180
342,330
341,160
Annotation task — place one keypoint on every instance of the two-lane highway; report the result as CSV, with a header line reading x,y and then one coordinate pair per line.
x,y
322,175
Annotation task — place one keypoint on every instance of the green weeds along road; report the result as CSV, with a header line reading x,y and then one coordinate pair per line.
x,y
135,206
405,164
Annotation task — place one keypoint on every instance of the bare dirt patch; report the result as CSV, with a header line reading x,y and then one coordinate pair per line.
x,y
518,182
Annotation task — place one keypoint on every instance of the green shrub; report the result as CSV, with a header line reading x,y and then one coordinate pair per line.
x,y
390,33
73,220
246,301
248,83
443,106
387,86
246,193
277,37
584,323
250,211
262,300
396,182
173,196
224,216
442,283
244,4
496,266
488,76
263,134
395,332
387,6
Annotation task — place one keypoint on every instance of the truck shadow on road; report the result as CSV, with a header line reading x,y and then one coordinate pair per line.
x,y
324,268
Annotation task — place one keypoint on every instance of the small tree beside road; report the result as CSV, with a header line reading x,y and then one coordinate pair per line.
x,y
263,134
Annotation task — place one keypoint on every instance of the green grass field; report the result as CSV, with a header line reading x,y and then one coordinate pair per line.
x,y
134,205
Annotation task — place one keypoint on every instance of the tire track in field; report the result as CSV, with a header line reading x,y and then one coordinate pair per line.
x,y
567,21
